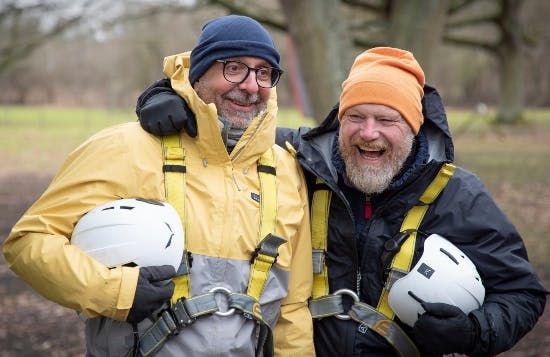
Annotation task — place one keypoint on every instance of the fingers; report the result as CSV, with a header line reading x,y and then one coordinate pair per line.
x,y
441,309
165,291
159,273
190,124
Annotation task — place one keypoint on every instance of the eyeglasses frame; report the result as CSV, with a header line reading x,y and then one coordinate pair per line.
x,y
249,69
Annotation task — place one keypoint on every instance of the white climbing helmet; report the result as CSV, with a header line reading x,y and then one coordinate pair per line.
x,y
131,231
443,274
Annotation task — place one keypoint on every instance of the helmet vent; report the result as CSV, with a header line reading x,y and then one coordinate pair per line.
x,y
171,235
449,255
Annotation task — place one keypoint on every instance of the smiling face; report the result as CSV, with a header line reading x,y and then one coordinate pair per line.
x,y
237,102
374,143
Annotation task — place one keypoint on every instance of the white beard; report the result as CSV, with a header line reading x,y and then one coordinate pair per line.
x,y
371,179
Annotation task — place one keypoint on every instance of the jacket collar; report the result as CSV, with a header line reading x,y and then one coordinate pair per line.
x,y
256,139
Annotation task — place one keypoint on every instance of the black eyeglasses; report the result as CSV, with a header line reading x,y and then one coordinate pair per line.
x,y
237,72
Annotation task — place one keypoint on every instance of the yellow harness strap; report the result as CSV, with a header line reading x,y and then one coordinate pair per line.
x,y
266,251
174,184
185,309
319,230
402,261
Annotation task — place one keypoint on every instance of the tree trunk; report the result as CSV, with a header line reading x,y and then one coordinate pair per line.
x,y
510,55
417,25
324,50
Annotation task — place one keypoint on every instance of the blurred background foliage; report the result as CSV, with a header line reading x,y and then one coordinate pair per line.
x,y
71,67
102,53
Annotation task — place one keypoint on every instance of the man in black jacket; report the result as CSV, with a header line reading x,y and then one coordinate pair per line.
x,y
377,154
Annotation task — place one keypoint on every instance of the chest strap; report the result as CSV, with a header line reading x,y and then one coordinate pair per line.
x,y
184,309
319,231
379,319
402,261
174,170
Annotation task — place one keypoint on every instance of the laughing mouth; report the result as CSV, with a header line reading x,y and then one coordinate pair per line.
x,y
371,153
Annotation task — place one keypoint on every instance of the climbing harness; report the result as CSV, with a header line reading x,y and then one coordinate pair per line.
x,y
186,309
399,250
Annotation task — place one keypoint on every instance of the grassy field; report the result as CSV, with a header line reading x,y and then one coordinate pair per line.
x,y
514,162
38,138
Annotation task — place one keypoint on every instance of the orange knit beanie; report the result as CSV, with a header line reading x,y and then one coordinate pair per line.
x,y
388,76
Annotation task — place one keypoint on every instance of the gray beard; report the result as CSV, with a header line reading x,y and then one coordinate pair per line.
x,y
371,180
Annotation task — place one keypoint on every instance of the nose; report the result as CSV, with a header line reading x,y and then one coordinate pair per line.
x,y
250,84
369,129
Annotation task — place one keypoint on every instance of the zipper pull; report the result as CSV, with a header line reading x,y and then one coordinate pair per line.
x,y
368,208
358,287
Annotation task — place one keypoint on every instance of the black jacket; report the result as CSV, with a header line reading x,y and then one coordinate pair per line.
x,y
464,213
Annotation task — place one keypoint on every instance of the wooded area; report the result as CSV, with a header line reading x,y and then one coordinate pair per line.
x,y
103,53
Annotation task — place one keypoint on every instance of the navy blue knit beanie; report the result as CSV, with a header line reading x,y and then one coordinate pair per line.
x,y
231,36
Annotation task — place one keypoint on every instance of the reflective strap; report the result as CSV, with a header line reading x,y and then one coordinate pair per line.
x,y
182,314
174,184
250,308
185,311
327,305
402,261
368,317
320,206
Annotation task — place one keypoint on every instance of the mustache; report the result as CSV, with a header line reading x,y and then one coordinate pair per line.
x,y
242,97
375,146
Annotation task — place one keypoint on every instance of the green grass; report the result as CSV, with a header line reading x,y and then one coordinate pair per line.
x,y
519,153
514,162
38,138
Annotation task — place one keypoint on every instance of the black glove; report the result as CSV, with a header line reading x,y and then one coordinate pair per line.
x,y
153,289
445,329
161,111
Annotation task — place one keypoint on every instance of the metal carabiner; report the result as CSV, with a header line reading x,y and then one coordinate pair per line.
x,y
349,293
226,292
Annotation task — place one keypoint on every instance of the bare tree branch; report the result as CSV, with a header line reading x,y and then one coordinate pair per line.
x,y
259,14
473,21
379,8
18,48
459,5
469,42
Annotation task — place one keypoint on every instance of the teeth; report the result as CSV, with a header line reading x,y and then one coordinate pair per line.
x,y
369,149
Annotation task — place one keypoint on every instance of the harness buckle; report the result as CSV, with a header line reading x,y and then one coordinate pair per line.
x,y
391,247
180,316
267,249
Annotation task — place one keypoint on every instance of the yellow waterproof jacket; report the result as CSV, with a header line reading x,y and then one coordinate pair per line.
x,y
221,227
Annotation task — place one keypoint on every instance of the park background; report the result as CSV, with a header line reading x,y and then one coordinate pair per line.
x,y
71,67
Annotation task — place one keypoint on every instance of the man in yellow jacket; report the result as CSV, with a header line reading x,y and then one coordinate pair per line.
x,y
228,81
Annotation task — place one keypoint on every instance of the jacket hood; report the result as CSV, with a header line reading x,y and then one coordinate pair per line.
x,y
435,127
257,138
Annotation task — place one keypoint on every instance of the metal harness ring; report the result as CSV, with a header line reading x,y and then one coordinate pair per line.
x,y
227,292
349,293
